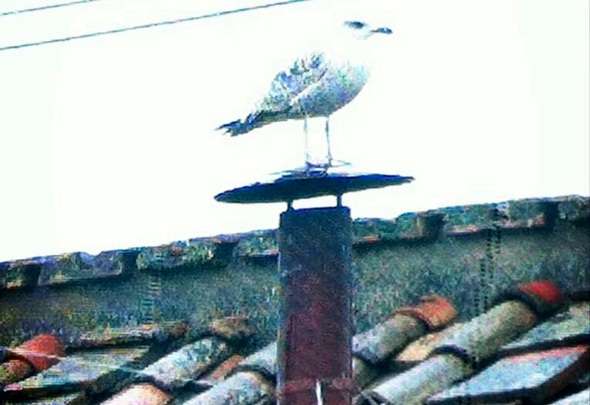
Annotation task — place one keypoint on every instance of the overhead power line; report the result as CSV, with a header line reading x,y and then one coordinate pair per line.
x,y
47,7
146,26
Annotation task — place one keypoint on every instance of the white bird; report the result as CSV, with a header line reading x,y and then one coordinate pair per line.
x,y
316,85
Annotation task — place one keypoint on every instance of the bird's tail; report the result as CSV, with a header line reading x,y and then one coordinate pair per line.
x,y
252,121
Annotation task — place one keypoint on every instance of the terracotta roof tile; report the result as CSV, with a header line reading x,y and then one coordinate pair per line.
x,y
379,342
232,328
140,394
421,348
418,383
482,336
434,310
42,352
185,367
187,364
221,371
14,370
543,296
566,328
141,334
94,371
242,388
408,323
532,377
263,361
34,355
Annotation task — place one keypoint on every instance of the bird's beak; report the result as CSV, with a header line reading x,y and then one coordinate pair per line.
x,y
382,30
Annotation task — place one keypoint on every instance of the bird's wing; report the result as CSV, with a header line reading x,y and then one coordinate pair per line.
x,y
288,84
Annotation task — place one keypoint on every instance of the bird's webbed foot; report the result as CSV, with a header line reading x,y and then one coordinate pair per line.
x,y
338,163
317,168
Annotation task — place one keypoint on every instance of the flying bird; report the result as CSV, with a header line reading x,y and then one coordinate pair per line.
x,y
315,85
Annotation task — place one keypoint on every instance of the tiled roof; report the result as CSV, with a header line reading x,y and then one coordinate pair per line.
x,y
528,342
470,347
513,353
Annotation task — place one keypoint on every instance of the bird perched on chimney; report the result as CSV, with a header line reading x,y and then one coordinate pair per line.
x,y
315,85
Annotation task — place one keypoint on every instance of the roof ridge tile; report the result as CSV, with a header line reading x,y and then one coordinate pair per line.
x,y
217,251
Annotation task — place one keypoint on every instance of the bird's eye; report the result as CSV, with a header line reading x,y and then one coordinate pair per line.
x,y
355,24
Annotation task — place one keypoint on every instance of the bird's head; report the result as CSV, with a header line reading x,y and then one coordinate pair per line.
x,y
362,30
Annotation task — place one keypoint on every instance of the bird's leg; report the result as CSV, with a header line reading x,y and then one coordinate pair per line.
x,y
329,155
308,164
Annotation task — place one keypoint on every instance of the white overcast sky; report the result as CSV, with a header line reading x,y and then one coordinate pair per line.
x,y
108,142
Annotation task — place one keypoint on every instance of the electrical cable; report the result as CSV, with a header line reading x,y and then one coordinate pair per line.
x,y
48,7
146,26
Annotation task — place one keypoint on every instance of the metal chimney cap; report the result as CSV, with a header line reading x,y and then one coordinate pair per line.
x,y
292,187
